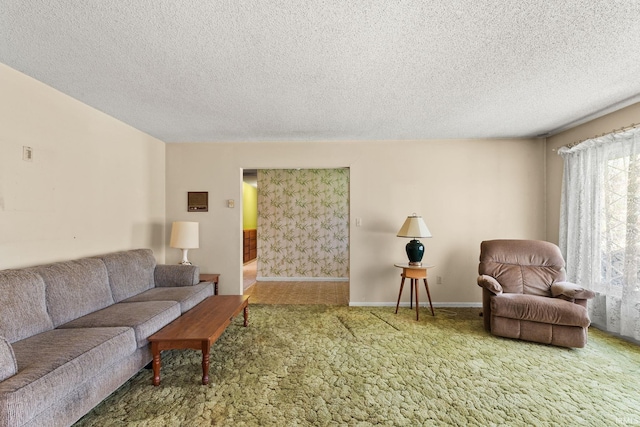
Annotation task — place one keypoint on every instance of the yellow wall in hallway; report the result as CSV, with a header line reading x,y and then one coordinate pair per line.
x,y
249,207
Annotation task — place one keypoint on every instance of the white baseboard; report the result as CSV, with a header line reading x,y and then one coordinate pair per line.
x,y
422,304
302,279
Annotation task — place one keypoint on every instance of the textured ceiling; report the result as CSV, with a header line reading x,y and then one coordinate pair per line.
x,y
255,70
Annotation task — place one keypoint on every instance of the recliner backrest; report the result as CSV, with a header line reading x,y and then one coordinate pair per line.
x,y
522,266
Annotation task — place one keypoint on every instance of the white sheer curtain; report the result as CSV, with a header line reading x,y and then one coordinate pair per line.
x,y
600,227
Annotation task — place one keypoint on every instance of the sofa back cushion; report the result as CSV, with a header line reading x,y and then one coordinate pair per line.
x,y
75,288
130,272
23,308
522,266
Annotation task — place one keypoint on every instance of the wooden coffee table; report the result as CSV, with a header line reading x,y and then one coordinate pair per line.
x,y
198,329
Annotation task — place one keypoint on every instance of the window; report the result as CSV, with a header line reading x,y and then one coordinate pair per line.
x,y
600,227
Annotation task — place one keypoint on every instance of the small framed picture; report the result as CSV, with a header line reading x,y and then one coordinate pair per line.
x,y
198,201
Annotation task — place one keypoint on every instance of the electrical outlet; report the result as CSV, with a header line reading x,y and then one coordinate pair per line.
x,y
438,280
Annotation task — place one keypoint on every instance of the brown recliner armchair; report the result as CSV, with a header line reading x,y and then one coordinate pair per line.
x,y
525,295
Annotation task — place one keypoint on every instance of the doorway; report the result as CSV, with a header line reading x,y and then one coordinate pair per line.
x,y
302,233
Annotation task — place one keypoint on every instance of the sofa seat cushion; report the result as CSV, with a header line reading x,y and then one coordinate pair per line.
x,y
539,309
146,318
187,296
53,363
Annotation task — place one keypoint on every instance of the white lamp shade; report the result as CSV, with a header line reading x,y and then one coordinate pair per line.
x,y
414,227
184,235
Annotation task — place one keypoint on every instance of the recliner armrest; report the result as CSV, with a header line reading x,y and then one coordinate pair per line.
x,y
490,284
176,275
570,291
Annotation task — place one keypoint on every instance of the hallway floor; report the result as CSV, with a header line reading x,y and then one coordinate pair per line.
x,y
306,293
249,272
326,293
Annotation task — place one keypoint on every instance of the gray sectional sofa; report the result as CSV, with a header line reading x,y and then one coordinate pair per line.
x,y
72,332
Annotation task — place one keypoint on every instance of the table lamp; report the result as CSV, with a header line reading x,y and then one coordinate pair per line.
x,y
413,228
184,235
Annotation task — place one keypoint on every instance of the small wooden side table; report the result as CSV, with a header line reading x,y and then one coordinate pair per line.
x,y
211,278
415,273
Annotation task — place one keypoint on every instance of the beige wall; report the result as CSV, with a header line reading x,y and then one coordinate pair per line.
x,y
466,190
95,185
605,124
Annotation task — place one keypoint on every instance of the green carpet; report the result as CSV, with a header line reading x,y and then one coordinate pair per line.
x,y
328,365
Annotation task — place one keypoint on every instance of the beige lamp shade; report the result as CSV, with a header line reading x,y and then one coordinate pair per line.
x,y
185,235
414,227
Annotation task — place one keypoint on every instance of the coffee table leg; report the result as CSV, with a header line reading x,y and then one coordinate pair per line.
x,y
205,362
246,316
155,363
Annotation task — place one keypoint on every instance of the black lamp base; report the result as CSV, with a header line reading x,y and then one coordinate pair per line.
x,y
415,252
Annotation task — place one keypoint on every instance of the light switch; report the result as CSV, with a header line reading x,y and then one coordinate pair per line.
x,y
358,222
27,153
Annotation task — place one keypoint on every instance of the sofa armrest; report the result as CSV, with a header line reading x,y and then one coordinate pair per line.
x,y
8,363
176,275
489,283
570,291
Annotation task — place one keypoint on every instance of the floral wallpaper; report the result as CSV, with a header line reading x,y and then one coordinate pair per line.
x,y
303,223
